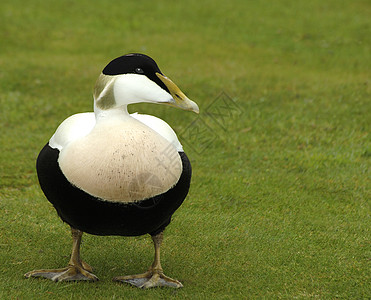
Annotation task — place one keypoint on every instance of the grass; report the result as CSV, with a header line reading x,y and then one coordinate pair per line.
x,y
280,200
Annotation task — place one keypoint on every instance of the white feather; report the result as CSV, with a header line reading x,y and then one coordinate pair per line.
x,y
79,125
161,127
71,129
134,88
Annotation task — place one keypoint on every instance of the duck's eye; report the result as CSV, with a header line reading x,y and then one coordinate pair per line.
x,y
139,71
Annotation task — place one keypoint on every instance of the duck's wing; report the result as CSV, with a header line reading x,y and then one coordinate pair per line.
x,y
71,129
161,127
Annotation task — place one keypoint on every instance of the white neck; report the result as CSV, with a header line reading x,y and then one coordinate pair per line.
x,y
117,112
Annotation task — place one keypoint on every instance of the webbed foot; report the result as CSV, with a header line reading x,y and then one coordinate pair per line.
x,y
155,276
149,279
70,273
76,269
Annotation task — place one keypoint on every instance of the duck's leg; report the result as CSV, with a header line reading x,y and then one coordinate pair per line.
x,y
154,276
76,269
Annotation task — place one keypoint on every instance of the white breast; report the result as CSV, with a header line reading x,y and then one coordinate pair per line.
x,y
121,161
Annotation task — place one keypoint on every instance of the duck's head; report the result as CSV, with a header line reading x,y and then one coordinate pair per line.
x,y
136,78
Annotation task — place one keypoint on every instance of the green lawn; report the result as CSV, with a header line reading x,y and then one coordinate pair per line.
x,y
279,205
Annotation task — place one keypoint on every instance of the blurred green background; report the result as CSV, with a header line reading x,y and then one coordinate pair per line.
x,y
280,200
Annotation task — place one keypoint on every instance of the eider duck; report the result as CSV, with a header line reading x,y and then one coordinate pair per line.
x,y
109,172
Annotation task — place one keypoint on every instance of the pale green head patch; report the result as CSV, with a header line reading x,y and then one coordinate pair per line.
x,y
103,92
